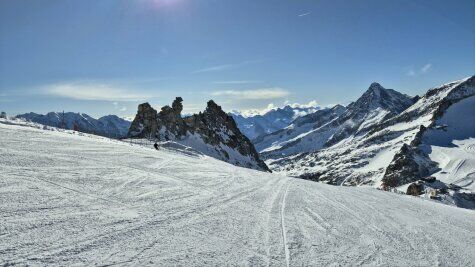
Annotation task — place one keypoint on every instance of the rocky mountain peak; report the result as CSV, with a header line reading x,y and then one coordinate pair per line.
x,y
212,132
212,107
375,86
379,97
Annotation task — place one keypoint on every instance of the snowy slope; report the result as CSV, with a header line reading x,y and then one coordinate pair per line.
x,y
76,199
451,144
257,125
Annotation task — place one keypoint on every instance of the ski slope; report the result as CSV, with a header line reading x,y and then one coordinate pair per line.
x,y
73,199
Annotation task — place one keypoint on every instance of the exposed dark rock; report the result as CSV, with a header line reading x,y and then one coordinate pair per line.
x,y
402,169
145,122
216,129
415,189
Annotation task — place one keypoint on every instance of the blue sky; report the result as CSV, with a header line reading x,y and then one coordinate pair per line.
x,y
105,57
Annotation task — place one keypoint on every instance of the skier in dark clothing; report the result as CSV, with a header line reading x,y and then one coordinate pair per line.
x,y
155,146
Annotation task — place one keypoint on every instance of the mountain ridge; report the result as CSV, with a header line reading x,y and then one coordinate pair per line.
x,y
273,120
108,126
211,132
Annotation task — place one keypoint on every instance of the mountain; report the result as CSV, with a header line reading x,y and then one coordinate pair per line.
x,y
287,139
257,125
109,126
391,144
328,127
129,205
212,132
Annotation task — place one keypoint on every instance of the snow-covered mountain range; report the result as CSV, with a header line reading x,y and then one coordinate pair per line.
x,y
109,126
329,126
273,120
212,132
74,199
384,139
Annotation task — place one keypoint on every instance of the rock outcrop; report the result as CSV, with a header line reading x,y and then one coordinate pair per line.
x,y
212,132
414,189
409,165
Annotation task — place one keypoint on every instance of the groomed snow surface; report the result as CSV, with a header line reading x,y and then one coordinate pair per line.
x,y
69,199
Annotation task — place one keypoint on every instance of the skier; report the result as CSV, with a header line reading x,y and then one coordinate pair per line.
x,y
155,146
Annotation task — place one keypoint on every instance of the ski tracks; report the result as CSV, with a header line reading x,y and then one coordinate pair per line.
x,y
282,223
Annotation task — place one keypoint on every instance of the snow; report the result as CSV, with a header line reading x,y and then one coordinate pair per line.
x,y
195,142
451,143
75,199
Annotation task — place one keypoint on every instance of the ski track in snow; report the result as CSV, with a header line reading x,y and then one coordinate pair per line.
x,y
83,200
470,149
284,231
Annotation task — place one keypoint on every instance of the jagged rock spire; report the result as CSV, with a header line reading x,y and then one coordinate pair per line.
x,y
213,129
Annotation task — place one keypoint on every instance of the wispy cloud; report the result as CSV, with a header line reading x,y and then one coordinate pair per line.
x,y
4,98
423,70
426,68
118,107
90,91
304,14
256,94
236,82
214,68
223,67
411,73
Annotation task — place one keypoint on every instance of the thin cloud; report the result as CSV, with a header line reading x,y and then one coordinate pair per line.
x,y
426,68
102,92
256,94
411,73
236,82
423,70
118,107
223,67
304,14
214,68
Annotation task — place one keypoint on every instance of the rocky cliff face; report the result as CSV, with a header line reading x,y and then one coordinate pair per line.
x,y
212,132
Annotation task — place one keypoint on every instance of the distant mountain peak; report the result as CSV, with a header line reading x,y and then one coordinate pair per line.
x,y
275,119
375,86
379,97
